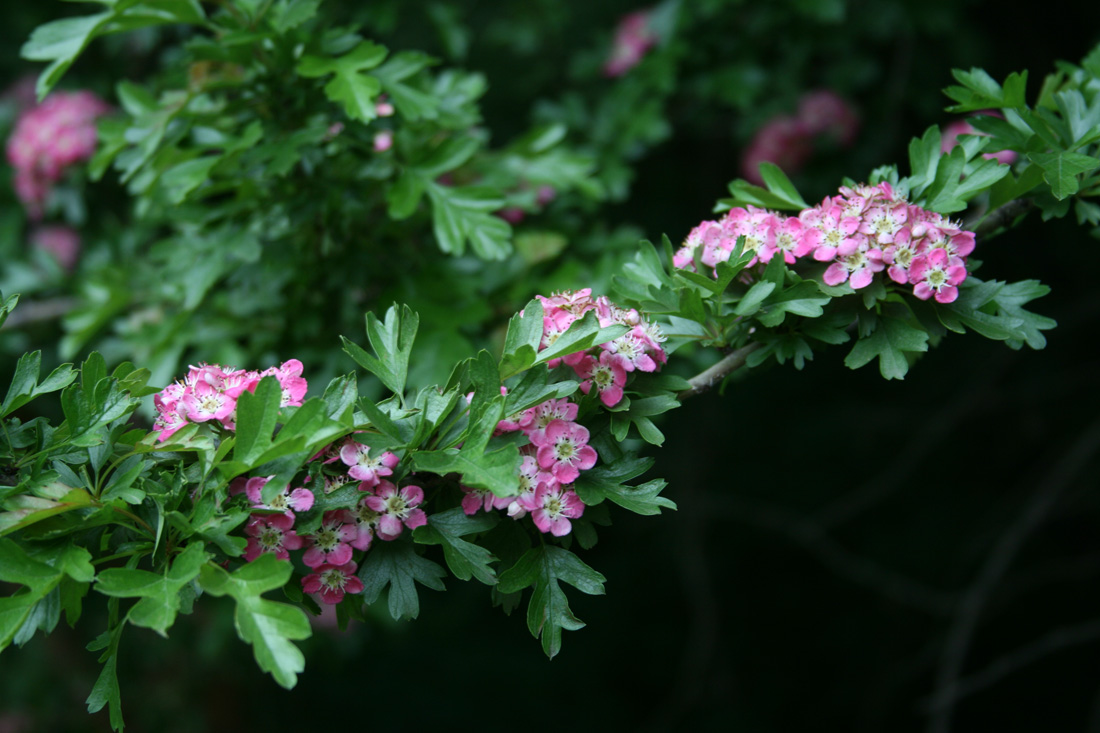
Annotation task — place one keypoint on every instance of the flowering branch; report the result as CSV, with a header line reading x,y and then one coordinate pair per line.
x,y
733,361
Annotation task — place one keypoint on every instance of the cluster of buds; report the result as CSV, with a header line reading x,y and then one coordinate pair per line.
x,y
862,231
48,139
209,393
787,140
633,39
605,367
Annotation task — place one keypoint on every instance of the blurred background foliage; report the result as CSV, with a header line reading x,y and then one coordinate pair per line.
x,y
849,554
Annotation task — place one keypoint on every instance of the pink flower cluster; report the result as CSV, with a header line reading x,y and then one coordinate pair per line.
x,y
382,511
47,139
605,367
862,231
788,140
553,459
209,392
633,39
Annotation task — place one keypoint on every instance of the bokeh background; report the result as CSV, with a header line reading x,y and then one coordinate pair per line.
x,y
849,554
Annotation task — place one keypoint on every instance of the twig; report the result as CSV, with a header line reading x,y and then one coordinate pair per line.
x,y
706,380
961,632
35,311
843,562
1007,664
1000,217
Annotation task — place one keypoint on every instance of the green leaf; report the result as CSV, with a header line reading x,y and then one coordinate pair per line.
x,y
396,564
286,15
465,559
1061,170
548,612
180,180
159,594
392,341
750,301
496,471
411,103
23,511
62,41
257,413
778,183
268,626
461,214
106,691
610,482
349,87
25,386
891,340
802,299
582,334
521,343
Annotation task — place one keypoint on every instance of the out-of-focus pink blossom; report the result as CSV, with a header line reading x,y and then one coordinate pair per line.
x,y
633,39
61,242
950,138
48,139
824,112
383,141
782,140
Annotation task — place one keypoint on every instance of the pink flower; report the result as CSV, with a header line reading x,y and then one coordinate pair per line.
x,y
564,451
552,507
365,468
271,534
398,509
633,347
899,255
791,238
286,501
61,242
839,233
170,418
608,376
332,582
366,524
331,543
633,39
756,225
534,421
880,223
475,499
531,476
935,274
204,402
857,268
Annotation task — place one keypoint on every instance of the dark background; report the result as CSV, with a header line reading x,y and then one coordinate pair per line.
x,y
849,554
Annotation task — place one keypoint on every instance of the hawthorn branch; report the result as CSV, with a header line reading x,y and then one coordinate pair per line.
x,y
999,218
704,381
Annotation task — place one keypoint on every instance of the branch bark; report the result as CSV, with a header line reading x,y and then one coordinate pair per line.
x,y
706,380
